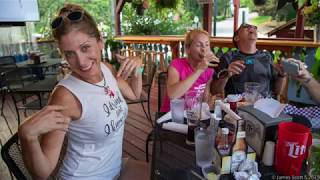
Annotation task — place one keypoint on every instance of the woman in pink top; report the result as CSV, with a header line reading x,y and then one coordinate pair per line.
x,y
191,73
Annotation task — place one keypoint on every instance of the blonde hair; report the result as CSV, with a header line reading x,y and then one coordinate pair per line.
x,y
189,37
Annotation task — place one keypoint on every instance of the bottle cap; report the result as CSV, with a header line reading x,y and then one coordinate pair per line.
x,y
225,131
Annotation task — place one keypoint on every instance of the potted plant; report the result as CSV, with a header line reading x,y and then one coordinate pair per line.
x,y
115,47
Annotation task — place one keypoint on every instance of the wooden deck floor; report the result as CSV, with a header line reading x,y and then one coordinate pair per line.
x,y
137,129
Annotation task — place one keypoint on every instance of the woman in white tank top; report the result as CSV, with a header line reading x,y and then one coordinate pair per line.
x,y
88,106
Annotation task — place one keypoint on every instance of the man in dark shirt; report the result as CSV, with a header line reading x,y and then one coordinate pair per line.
x,y
247,64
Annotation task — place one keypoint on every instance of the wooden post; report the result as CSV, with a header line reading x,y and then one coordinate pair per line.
x,y
236,4
299,24
207,17
118,7
175,49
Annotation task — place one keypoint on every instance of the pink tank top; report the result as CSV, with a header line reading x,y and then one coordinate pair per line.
x,y
184,69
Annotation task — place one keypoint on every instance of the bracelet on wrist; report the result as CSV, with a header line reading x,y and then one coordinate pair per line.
x,y
306,81
139,70
223,74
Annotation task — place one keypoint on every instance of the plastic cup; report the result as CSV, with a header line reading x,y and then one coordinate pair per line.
x,y
233,99
251,92
291,149
177,108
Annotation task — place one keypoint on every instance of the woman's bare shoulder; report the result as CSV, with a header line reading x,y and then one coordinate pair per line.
x,y
62,96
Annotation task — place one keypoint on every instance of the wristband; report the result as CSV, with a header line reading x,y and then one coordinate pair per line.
x,y
139,70
223,73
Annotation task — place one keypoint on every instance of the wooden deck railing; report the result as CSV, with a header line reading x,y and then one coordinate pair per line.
x,y
284,45
173,45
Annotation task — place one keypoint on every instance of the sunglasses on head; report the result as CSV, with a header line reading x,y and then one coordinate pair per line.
x,y
73,16
248,26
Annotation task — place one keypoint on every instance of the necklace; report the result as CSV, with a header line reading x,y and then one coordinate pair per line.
x,y
101,86
106,88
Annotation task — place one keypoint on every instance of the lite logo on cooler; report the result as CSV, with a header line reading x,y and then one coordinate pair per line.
x,y
295,149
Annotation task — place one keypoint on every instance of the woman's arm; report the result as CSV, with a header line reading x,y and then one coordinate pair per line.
x,y
129,67
177,88
50,125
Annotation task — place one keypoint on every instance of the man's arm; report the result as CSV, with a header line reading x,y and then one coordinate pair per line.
x,y
307,81
226,71
279,85
217,85
313,87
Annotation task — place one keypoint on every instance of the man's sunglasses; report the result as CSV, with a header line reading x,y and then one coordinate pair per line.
x,y
72,16
248,26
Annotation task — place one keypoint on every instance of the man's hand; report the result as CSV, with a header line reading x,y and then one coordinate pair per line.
x,y
236,67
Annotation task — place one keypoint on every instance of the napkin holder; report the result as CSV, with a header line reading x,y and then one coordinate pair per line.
x,y
260,127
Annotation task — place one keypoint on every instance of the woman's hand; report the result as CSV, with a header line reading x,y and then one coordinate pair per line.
x,y
48,119
128,66
208,60
213,61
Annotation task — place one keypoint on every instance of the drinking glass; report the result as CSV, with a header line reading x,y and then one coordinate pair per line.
x,y
177,108
193,101
251,92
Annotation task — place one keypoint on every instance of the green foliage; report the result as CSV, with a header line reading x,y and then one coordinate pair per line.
x,y
276,56
260,19
194,7
112,44
166,3
247,3
269,9
48,10
155,22
286,13
312,12
221,18
315,70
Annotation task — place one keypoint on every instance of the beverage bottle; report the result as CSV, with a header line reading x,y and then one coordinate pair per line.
x,y
223,146
217,109
239,148
203,145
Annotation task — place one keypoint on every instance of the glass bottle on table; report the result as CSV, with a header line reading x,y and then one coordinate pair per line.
x,y
224,146
239,148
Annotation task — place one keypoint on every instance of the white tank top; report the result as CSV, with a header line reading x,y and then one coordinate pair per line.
x,y
95,139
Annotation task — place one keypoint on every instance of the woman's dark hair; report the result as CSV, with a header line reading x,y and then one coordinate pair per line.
x,y
85,25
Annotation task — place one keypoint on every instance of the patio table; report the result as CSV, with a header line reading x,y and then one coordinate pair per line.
x,y
42,67
42,86
173,159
